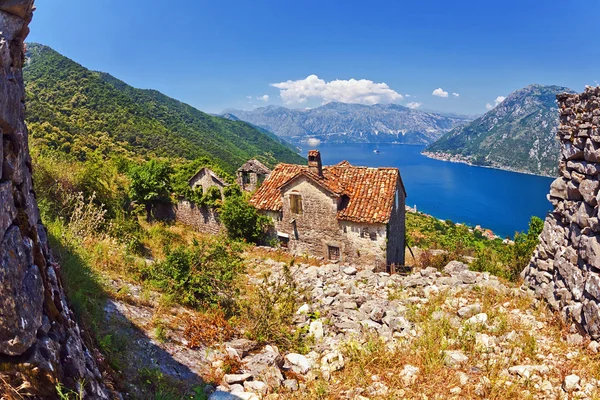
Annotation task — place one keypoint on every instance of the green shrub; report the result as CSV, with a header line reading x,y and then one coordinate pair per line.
x,y
202,275
242,220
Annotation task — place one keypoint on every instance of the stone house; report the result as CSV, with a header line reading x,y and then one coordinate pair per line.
x,y
340,212
206,178
251,175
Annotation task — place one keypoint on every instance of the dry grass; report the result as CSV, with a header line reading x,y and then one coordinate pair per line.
x,y
207,329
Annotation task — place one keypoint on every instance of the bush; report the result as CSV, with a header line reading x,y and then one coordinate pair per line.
x,y
242,220
200,276
269,310
150,181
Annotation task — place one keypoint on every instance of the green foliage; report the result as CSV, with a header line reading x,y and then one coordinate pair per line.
x,y
202,275
508,261
242,220
269,311
150,181
84,114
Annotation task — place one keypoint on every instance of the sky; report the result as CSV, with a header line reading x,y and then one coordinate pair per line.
x,y
457,56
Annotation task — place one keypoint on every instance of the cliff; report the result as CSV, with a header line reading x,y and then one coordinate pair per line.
x,y
40,341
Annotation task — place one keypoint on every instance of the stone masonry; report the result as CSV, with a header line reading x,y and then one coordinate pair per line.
x,y
40,342
565,267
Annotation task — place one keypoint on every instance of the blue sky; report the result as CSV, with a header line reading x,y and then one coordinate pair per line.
x,y
220,54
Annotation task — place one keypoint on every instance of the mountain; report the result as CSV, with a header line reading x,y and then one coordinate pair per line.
x,y
518,134
341,122
73,109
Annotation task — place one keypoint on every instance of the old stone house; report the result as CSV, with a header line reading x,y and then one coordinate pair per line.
x,y
206,179
251,175
340,212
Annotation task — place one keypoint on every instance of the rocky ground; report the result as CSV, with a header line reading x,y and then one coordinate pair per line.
x,y
431,334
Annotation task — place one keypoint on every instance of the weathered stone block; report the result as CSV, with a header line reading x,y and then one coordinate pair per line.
x,y
21,295
570,152
592,285
589,190
572,276
591,313
558,188
592,151
8,212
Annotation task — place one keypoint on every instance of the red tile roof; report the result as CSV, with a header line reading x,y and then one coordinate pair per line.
x,y
370,190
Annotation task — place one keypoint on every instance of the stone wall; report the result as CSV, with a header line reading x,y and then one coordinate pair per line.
x,y
565,268
203,219
40,342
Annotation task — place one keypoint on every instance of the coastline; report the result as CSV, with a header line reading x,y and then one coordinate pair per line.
x,y
464,160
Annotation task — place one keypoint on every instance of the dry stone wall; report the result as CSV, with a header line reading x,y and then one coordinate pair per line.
x,y
40,342
202,218
565,268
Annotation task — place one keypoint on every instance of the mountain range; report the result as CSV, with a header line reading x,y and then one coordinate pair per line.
x,y
518,134
351,123
73,111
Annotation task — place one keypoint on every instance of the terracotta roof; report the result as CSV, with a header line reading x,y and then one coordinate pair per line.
x,y
370,191
255,166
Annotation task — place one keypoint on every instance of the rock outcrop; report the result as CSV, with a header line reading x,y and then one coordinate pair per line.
x,y
40,342
565,268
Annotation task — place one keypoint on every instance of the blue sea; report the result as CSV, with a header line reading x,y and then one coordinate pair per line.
x,y
502,201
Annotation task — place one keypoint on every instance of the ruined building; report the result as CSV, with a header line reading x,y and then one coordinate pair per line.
x,y
565,267
340,212
251,175
40,341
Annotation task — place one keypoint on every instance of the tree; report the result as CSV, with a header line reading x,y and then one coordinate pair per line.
x,y
150,182
242,220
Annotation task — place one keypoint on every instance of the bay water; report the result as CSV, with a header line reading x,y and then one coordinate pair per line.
x,y
502,201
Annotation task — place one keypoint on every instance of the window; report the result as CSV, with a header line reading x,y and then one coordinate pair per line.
x,y
245,178
283,241
333,253
296,204
373,235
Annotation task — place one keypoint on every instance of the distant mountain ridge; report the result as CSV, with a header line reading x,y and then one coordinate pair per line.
x,y
343,122
518,134
74,109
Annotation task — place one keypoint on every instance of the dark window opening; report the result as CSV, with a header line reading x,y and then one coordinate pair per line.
x,y
333,253
373,235
283,241
245,178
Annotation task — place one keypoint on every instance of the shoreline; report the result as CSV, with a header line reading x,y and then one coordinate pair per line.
x,y
463,160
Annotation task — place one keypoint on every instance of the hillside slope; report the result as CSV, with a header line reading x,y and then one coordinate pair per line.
x,y
71,106
341,122
518,134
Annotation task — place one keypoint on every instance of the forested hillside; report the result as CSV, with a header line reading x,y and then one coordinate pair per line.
x,y
73,110
518,134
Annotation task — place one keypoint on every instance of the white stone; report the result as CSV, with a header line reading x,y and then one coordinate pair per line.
x,y
256,387
478,319
454,357
304,309
316,329
350,271
299,361
409,374
571,383
231,379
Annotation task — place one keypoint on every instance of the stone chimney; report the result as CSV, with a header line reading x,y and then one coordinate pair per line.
x,y
314,162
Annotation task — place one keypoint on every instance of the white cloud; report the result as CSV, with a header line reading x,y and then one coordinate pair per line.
x,y
456,94
439,92
499,99
414,105
264,98
249,97
489,106
362,91
407,95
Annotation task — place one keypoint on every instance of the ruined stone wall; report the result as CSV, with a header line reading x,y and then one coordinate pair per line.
x,y
565,268
40,342
203,219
